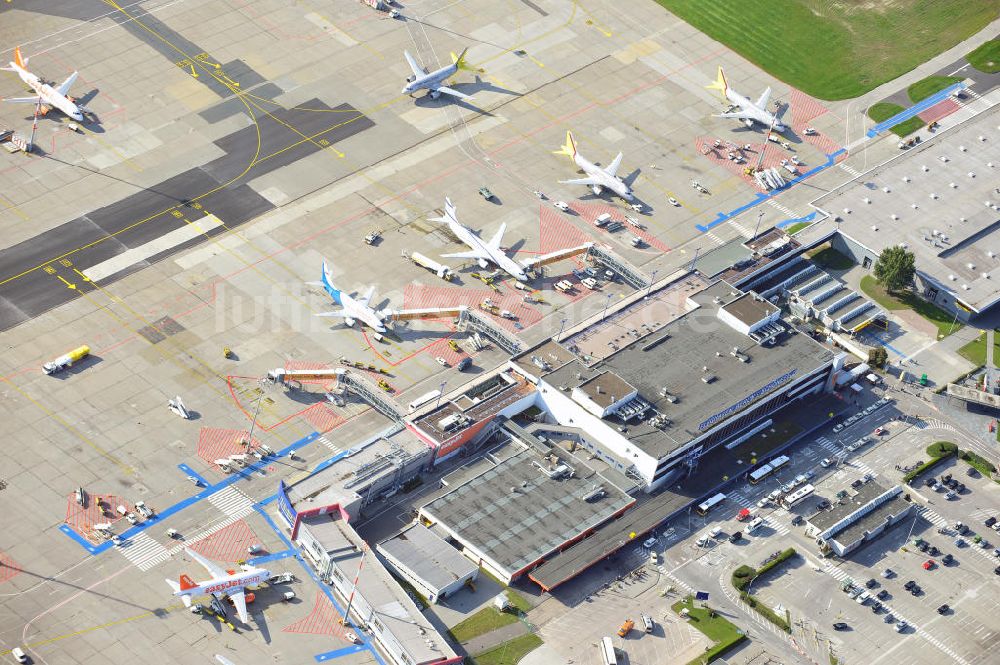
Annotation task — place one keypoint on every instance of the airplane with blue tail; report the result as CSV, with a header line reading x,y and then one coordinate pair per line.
x,y
354,309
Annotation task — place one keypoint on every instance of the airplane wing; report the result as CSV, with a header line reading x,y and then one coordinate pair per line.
x,y
741,115
454,93
580,181
21,100
463,255
341,313
764,96
498,236
213,569
365,299
63,89
613,166
418,71
240,603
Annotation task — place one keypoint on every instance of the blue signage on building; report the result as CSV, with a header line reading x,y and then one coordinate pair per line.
x,y
746,401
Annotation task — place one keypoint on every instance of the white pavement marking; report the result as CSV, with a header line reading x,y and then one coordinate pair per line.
x,y
329,444
232,502
167,241
715,238
143,551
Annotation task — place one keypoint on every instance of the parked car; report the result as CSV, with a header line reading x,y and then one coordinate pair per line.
x,y
823,505
909,585
797,520
876,607
996,571
735,538
943,609
883,594
901,626
889,618
933,551
990,521
840,625
888,572
871,584
928,565
947,559
826,462
838,427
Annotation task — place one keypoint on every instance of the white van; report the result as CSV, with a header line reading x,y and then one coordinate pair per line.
x,y
22,657
647,622
755,524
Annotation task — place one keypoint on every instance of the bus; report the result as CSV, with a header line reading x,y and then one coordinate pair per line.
x,y
608,651
424,399
710,503
762,472
797,496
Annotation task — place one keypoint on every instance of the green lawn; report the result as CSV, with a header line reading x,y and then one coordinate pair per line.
x,y
834,50
944,321
518,601
796,227
884,110
975,351
509,653
924,88
723,634
830,259
986,58
484,621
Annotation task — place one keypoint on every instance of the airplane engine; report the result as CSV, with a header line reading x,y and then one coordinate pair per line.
x,y
349,321
749,123
483,264
435,94
596,189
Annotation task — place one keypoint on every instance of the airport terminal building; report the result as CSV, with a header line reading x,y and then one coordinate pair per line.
x,y
656,396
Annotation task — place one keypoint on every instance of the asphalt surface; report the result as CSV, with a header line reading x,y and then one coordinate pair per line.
x,y
27,290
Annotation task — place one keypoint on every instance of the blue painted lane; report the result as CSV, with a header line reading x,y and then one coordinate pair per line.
x,y
188,502
916,109
761,197
273,556
191,472
789,222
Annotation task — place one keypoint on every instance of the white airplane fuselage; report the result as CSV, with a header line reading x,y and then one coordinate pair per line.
x,y
49,95
431,81
756,114
357,311
226,585
605,181
496,257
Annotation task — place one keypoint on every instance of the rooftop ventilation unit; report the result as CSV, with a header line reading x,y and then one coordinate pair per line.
x,y
597,493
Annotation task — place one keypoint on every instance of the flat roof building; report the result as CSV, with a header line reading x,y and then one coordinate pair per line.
x,y
669,392
858,518
425,560
524,508
939,200
401,632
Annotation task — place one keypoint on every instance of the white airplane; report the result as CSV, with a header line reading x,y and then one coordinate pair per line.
x,y
483,252
597,178
434,81
355,309
45,94
750,112
223,583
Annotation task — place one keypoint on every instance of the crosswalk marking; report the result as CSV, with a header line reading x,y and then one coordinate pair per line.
x,y
779,527
785,209
854,172
932,516
329,444
744,231
935,423
715,238
143,551
232,502
740,499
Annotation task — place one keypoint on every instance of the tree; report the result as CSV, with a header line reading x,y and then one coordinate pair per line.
x,y
895,268
878,356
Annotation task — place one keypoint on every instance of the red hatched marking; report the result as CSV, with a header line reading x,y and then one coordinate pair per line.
x,y
8,567
823,143
441,349
83,518
322,620
805,108
322,418
556,232
215,443
227,544
591,211
939,110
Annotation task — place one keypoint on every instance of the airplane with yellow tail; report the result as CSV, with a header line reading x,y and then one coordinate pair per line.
x,y
749,112
598,178
434,81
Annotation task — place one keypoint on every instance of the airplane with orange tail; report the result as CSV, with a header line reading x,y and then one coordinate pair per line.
x,y
45,94
224,583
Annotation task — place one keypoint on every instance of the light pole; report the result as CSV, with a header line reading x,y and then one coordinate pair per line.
x,y
248,444
607,302
562,324
652,278
440,394
760,216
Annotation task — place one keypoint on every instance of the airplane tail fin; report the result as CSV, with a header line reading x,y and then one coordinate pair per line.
x,y
459,60
449,213
568,148
18,60
328,283
720,83
186,583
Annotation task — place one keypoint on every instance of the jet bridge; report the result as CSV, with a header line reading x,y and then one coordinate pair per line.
x,y
558,255
352,381
426,313
616,264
